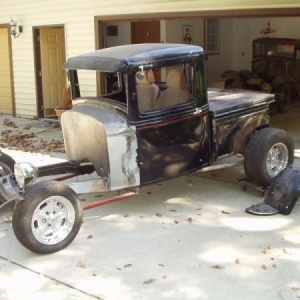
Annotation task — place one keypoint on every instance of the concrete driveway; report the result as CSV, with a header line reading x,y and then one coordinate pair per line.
x,y
187,238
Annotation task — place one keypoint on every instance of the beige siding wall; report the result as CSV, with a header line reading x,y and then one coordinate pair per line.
x,y
78,18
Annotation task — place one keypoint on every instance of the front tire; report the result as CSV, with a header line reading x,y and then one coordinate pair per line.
x,y
268,152
48,218
6,168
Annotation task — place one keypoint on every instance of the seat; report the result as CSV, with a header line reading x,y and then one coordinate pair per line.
x,y
176,92
147,90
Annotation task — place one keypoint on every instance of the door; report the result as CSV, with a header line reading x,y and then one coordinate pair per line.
x,y
6,97
146,32
174,136
169,149
53,77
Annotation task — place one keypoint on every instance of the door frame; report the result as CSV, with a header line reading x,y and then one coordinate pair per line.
x,y
13,99
38,65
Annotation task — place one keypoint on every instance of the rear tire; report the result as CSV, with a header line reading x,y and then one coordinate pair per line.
x,y
48,218
268,152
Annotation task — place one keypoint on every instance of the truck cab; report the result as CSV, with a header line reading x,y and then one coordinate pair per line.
x,y
149,117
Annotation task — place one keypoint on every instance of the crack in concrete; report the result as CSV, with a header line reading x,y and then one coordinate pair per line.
x,y
50,278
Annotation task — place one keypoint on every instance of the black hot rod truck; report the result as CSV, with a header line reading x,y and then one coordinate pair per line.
x,y
149,117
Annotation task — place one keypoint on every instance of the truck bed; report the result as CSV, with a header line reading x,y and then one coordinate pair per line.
x,y
226,101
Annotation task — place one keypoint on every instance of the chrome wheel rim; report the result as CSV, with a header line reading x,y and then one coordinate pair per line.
x,y
277,159
53,220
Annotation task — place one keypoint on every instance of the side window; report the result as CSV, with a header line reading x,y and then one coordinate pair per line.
x,y
175,86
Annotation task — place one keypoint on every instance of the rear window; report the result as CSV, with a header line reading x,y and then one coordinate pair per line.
x,y
164,87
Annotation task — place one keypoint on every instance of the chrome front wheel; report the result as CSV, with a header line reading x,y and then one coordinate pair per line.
x,y
53,220
48,218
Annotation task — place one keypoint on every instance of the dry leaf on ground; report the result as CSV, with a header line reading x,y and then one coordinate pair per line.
x,y
148,281
81,265
217,267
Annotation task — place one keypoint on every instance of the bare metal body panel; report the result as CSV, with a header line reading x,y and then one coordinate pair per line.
x,y
94,132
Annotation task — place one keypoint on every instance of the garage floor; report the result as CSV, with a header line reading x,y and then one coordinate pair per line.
x,y
187,238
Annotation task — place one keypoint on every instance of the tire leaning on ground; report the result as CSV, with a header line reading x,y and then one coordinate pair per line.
x,y
269,151
48,218
6,168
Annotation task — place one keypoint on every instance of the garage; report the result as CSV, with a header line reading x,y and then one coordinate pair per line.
x,y
224,29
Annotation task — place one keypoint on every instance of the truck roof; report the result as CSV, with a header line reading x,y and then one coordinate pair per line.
x,y
120,58
284,41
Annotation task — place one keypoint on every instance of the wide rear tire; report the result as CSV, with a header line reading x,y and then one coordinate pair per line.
x,y
48,218
268,152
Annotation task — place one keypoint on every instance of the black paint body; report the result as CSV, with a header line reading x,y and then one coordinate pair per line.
x,y
176,139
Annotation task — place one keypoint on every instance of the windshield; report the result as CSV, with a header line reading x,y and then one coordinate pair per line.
x,y
90,83
281,50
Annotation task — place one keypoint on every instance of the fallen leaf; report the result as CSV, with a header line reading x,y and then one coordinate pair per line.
x,y
274,265
9,123
225,212
190,220
148,281
81,265
119,269
161,265
127,265
164,277
94,274
176,222
90,236
264,267
126,216
158,215
266,250
237,261
217,267
149,193
172,209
